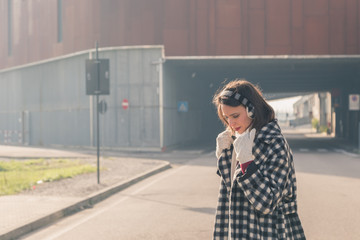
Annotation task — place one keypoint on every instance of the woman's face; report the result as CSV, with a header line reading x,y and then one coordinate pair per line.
x,y
236,117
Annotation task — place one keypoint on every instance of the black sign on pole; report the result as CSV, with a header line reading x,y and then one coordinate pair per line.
x,y
98,83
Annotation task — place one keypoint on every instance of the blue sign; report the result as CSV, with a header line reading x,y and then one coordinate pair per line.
x,y
183,106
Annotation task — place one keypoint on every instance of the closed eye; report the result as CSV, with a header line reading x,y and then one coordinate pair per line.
x,y
233,116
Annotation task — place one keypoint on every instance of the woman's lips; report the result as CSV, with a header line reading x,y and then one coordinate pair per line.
x,y
237,129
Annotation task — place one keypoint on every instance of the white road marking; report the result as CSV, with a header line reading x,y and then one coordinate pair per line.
x,y
322,150
347,153
68,229
304,150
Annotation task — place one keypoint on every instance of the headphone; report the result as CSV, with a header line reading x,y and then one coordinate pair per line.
x,y
250,110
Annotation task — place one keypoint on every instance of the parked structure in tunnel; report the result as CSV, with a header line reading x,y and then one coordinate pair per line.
x,y
283,46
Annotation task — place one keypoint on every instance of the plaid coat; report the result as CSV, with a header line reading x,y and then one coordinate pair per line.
x,y
260,204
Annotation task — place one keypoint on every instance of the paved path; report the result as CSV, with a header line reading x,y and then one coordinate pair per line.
x,y
36,152
23,213
176,204
180,203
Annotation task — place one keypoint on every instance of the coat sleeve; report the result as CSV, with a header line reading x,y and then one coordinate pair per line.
x,y
265,185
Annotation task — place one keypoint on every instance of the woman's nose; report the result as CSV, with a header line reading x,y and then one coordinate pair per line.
x,y
231,122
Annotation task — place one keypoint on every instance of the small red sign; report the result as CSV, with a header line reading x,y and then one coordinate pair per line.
x,y
125,104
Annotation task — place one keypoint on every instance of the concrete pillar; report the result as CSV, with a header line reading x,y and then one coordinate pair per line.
x,y
323,109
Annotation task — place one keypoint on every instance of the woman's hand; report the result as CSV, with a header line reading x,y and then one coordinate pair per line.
x,y
243,148
223,141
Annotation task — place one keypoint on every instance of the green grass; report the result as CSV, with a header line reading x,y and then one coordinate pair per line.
x,y
17,176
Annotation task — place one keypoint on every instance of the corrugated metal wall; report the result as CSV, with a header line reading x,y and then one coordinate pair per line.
x,y
46,103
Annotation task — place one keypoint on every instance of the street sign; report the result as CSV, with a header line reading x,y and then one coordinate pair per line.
x,y
97,77
97,81
354,102
125,104
183,106
102,106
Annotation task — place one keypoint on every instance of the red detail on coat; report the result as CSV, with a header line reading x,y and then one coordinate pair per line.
x,y
244,166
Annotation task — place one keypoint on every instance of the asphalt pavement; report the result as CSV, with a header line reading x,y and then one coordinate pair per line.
x,y
21,214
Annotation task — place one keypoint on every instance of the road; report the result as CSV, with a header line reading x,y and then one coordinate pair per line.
x,y
180,203
176,204
328,189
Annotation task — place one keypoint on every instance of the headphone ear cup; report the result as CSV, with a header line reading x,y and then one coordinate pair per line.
x,y
250,112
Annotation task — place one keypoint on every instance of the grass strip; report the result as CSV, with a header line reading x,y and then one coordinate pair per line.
x,y
20,175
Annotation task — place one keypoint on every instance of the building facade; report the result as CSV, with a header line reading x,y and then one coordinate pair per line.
x,y
282,45
315,109
37,30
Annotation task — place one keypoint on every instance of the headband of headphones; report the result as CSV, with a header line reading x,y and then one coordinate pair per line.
x,y
228,94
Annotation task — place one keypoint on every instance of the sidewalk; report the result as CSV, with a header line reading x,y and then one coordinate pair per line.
x,y
33,209
306,133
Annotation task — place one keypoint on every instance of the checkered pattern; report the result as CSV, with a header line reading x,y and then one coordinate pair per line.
x,y
243,100
260,204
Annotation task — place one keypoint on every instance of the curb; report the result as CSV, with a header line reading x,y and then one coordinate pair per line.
x,y
88,202
48,157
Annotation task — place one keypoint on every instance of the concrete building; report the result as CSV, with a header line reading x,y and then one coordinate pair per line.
x,y
314,107
283,46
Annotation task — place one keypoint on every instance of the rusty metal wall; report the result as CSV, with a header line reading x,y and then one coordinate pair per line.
x,y
184,27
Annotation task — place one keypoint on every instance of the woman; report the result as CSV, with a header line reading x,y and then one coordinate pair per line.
x,y
257,198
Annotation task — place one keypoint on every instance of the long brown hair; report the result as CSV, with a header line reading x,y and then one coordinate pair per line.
x,y
263,114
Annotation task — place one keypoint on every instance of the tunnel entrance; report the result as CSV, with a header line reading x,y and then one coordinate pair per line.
x,y
194,80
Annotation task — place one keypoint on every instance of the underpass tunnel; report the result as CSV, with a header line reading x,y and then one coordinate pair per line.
x,y
193,81
198,124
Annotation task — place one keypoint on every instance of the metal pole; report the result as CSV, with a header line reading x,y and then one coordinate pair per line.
x,y
97,115
359,139
91,112
98,138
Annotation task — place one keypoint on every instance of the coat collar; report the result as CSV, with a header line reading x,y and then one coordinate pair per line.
x,y
269,132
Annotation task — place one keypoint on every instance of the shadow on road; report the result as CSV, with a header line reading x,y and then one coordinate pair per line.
x,y
315,153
